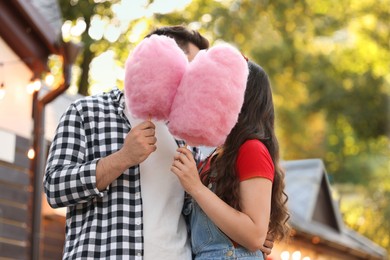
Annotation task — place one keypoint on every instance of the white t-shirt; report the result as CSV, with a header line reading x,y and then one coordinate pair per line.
x,y
165,233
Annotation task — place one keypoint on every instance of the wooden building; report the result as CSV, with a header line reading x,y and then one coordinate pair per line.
x,y
319,230
30,32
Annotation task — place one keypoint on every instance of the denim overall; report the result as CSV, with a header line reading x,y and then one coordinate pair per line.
x,y
207,241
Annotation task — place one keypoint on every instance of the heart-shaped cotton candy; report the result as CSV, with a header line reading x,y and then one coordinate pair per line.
x,y
209,97
153,72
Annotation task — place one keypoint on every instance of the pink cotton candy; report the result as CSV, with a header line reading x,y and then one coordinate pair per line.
x,y
153,72
209,97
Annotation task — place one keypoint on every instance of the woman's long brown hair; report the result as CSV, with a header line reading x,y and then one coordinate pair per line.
x,y
255,121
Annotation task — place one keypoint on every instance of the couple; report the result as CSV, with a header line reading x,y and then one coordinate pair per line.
x,y
122,180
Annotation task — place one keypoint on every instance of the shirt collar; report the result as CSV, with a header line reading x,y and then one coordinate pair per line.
x,y
118,98
116,95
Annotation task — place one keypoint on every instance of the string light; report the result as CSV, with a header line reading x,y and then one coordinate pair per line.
x,y
285,255
26,60
296,255
49,79
33,86
2,90
31,153
315,240
2,85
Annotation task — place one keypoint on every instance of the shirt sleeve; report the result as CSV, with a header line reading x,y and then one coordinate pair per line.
x,y
69,179
254,160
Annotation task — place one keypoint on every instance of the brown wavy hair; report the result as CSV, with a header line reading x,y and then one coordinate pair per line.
x,y
255,121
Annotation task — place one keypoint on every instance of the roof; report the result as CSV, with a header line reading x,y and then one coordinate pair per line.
x,y
32,28
50,11
307,183
315,213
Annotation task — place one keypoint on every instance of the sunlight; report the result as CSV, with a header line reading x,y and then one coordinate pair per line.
x,y
104,72
66,27
79,28
137,30
163,7
96,30
128,10
112,33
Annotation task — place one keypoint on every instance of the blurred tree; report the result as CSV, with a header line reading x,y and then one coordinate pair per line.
x,y
329,65
328,62
367,211
81,14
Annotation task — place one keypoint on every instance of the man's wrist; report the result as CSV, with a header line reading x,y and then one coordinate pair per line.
x,y
120,161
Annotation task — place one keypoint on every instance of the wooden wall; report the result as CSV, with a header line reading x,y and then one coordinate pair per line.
x,y
16,211
15,194
53,228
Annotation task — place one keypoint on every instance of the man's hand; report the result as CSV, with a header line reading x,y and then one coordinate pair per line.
x,y
268,245
140,142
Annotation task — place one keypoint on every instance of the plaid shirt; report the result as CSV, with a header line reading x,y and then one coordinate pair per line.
x,y
107,224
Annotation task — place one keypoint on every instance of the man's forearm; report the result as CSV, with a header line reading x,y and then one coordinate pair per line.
x,y
109,169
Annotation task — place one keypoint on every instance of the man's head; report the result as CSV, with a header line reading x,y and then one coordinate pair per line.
x,y
189,41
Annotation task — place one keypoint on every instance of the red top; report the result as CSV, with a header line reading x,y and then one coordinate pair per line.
x,y
254,160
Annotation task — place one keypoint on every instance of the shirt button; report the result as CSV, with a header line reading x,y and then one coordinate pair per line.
x,y
137,222
229,253
137,195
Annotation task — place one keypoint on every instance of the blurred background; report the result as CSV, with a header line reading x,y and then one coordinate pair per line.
x,y
328,62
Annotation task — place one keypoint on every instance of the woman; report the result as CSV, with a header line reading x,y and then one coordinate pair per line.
x,y
238,195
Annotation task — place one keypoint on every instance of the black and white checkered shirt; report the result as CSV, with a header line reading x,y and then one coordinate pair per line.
x,y
99,225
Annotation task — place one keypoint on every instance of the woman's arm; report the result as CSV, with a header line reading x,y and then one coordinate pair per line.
x,y
248,227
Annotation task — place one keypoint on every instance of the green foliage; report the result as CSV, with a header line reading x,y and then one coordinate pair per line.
x,y
328,62
368,211
74,10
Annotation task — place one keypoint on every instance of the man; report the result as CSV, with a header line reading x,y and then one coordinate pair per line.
x,y
114,177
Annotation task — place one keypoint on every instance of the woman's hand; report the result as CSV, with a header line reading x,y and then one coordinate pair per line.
x,y
184,167
268,245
